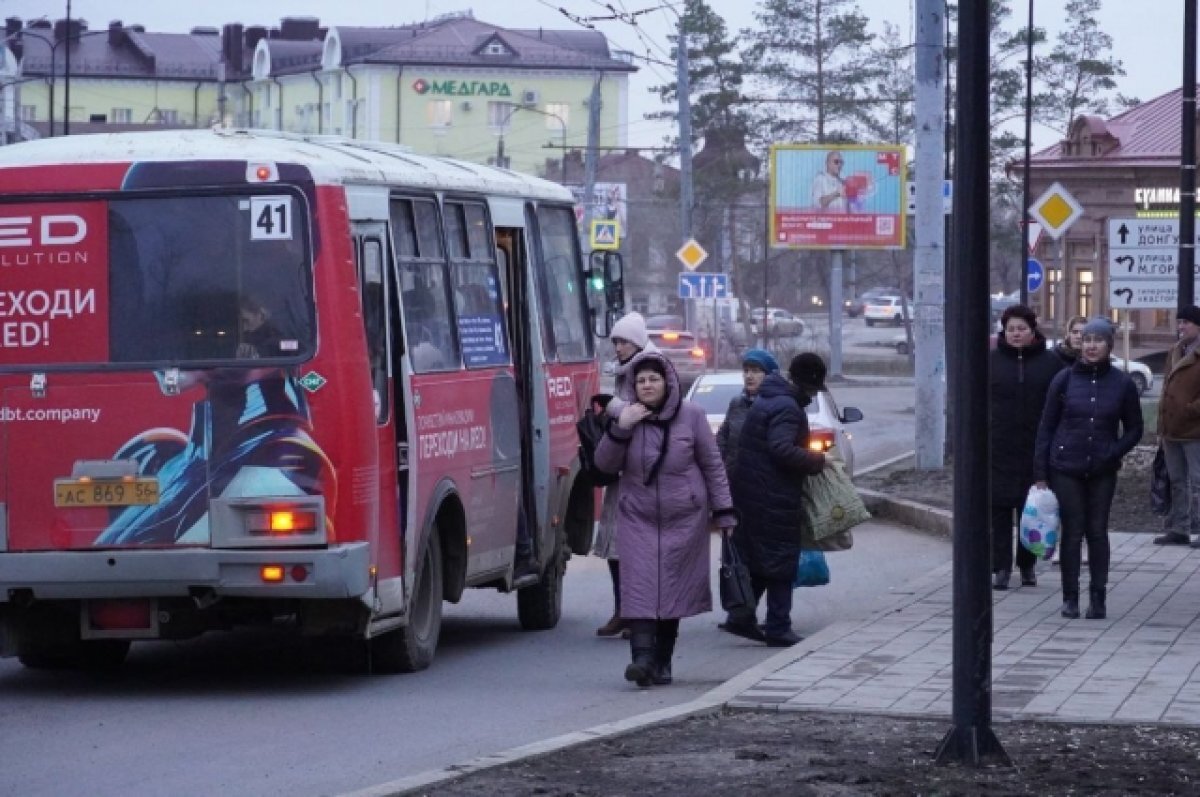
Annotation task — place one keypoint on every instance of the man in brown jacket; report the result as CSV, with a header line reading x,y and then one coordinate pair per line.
x,y
1179,432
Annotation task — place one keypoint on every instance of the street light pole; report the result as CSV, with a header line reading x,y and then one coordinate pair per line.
x,y
562,125
52,45
66,76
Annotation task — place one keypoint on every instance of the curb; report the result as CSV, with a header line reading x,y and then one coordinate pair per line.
x,y
910,513
710,702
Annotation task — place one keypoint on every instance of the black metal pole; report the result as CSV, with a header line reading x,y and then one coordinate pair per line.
x,y
1028,150
67,76
1187,162
971,738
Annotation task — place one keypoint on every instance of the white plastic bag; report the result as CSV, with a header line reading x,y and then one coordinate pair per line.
x,y
1040,526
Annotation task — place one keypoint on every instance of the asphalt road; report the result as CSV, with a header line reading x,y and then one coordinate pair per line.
x,y
254,714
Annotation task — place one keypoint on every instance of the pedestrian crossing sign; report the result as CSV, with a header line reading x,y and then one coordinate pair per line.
x,y
606,234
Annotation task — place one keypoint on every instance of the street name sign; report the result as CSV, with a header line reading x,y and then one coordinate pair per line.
x,y
1143,263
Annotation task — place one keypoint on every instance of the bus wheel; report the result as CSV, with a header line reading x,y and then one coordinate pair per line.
x,y
411,647
540,606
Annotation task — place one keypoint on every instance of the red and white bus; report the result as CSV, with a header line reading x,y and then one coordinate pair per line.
x,y
252,378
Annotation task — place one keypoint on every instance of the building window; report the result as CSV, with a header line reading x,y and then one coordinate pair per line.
x,y
439,113
1162,319
499,115
97,118
495,48
28,113
168,116
1084,293
558,110
122,116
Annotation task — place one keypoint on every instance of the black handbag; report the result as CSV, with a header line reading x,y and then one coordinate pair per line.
x,y
1160,485
737,594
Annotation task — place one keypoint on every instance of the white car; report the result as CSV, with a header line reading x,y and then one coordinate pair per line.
x,y
714,391
779,321
1140,373
886,310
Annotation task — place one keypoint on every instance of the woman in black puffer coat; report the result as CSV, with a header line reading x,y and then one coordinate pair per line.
x,y
767,484
1092,419
1020,374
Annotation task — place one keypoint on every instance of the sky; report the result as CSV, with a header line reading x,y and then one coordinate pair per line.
x,y
1151,53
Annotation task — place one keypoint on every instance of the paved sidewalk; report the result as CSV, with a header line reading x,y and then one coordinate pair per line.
x,y
1142,664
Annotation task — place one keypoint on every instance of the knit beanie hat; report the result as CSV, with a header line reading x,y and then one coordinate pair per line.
x,y
761,358
807,370
631,327
1101,328
1189,313
650,364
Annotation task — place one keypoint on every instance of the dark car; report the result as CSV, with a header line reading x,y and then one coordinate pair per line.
x,y
855,307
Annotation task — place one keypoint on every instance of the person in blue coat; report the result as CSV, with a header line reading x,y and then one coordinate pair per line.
x,y
1091,420
767,484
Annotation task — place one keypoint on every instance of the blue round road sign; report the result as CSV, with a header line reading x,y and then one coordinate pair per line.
x,y
1035,275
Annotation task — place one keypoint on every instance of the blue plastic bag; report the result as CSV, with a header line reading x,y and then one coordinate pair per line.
x,y
813,570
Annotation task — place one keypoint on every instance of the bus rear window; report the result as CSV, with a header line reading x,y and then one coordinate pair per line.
x,y
154,280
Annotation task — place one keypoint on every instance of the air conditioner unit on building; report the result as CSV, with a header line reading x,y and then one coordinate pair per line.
x,y
466,105
529,97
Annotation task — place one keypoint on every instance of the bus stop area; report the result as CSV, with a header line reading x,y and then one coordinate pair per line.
x,y
1088,706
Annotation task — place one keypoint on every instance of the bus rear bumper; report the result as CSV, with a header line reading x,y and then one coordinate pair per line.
x,y
340,571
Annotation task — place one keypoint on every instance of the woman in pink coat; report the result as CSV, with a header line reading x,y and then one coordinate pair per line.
x,y
672,490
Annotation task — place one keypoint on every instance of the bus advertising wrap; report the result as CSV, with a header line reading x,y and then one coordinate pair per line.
x,y
53,283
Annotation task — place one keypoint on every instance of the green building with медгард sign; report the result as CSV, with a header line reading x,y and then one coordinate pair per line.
x,y
449,86
454,86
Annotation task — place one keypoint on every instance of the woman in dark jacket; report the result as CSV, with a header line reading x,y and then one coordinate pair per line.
x,y
767,483
756,365
1092,419
1020,374
1067,349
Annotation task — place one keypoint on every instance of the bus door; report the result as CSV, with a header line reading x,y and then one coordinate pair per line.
x,y
372,266
513,261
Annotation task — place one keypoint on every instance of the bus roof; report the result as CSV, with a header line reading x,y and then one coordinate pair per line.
x,y
330,159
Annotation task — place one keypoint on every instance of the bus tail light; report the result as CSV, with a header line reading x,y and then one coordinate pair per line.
x,y
271,574
282,522
698,353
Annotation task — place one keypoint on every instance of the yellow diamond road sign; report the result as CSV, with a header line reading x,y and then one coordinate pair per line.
x,y
691,254
1056,210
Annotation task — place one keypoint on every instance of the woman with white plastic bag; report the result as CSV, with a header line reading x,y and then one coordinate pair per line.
x,y
1092,419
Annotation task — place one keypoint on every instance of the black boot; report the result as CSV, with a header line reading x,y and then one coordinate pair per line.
x,y
641,644
1070,607
664,649
1096,609
1000,579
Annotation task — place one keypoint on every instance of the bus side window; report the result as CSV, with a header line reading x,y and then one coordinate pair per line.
x,y
477,299
424,287
374,299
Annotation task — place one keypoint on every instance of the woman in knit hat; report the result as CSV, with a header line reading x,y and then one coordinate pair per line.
x,y
1092,419
629,337
757,364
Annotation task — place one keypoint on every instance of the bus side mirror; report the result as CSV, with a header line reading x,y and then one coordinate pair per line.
x,y
607,274
603,321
